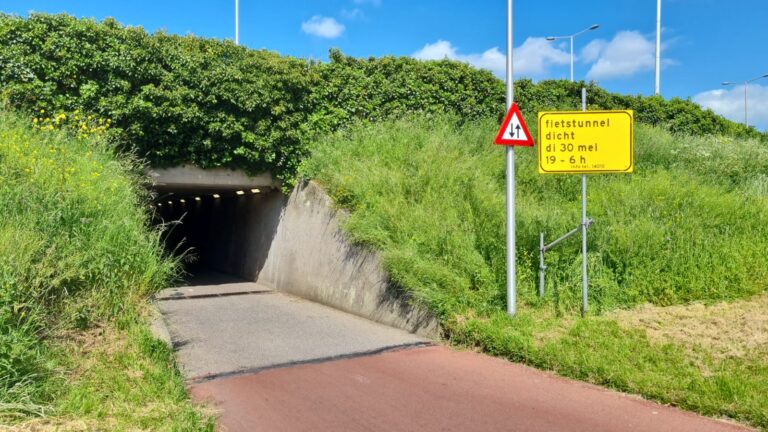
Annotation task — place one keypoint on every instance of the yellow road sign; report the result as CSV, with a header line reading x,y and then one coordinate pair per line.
x,y
586,142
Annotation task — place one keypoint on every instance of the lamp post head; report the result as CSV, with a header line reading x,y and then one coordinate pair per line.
x,y
551,38
725,83
765,76
594,27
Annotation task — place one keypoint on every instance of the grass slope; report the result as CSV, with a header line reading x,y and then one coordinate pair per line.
x,y
76,261
690,225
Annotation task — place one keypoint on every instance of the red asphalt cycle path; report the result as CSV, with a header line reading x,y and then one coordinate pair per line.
x,y
431,389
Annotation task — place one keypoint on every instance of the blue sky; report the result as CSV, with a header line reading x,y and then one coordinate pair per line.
x,y
705,42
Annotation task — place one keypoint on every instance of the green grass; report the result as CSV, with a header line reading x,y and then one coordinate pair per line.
x,y
129,381
690,225
77,253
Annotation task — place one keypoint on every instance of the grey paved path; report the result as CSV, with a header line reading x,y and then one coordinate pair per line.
x,y
218,336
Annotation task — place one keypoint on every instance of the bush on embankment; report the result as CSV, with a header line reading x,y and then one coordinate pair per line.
x,y
675,114
184,99
690,225
192,100
76,253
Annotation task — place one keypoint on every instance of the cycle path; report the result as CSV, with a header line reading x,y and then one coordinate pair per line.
x,y
267,361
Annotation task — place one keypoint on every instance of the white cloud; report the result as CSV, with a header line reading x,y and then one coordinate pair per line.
x,y
324,27
436,51
592,51
729,103
627,53
536,55
532,58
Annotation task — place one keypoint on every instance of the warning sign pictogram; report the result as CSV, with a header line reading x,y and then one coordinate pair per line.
x,y
513,130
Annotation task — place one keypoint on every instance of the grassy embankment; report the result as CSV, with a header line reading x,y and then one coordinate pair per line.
x,y
77,261
689,227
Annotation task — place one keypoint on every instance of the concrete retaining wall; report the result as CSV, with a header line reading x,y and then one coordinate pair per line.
x,y
310,257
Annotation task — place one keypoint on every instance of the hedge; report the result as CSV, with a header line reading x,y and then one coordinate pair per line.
x,y
184,99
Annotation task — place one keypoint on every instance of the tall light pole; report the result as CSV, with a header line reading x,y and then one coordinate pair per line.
x,y
658,48
553,38
511,221
746,85
237,22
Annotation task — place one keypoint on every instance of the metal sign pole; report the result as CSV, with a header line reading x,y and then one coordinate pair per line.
x,y
542,267
511,251
584,225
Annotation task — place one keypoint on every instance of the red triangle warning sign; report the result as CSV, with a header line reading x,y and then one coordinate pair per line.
x,y
513,130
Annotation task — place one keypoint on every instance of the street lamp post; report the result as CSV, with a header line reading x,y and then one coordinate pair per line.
x,y
657,87
746,86
571,37
237,22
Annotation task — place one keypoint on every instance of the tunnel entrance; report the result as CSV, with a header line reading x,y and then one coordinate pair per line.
x,y
231,225
220,222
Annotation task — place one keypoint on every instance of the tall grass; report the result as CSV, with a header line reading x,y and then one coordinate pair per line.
x,y
75,248
690,225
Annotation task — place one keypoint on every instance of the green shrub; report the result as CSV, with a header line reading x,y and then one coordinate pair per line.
x,y
377,89
676,115
191,100
186,99
174,99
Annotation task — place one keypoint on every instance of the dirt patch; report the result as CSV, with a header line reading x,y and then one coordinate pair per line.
x,y
725,330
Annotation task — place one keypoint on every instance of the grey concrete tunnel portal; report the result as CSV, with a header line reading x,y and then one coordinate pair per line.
x,y
219,219
245,226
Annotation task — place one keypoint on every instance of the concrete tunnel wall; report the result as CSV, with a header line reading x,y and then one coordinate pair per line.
x,y
295,245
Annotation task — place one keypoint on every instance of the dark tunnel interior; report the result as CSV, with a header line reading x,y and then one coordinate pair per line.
x,y
226,232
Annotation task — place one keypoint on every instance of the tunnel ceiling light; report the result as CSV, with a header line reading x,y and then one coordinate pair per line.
x,y
197,198
240,193
255,190
217,196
